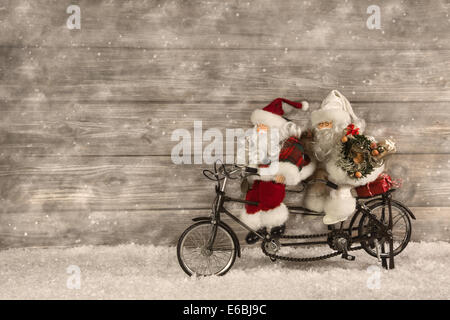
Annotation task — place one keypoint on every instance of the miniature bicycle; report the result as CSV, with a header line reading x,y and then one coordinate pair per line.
x,y
210,246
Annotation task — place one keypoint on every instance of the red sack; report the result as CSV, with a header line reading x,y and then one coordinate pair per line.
x,y
382,184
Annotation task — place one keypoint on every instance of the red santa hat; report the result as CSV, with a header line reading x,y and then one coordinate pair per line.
x,y
273,115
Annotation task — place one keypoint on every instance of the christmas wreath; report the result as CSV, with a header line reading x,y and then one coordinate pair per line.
x,y
359,154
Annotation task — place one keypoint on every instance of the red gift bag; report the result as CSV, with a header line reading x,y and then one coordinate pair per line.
x,y
382,184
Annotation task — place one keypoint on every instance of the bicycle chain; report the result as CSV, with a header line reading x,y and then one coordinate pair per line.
x,y
304,236
309,259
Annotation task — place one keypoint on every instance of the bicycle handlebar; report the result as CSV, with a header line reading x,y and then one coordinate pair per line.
x,y
251,170
222,170
326,182
332,185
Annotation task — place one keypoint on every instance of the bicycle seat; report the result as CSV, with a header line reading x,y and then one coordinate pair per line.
x,y
377,195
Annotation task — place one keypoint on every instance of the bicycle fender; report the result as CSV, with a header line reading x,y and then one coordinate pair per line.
x,y
226,227
406,208
369,203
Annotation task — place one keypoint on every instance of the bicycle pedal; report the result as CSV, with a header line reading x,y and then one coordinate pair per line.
x,y
348,257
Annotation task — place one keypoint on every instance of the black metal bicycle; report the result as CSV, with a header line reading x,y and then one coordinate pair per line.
x,y
380,225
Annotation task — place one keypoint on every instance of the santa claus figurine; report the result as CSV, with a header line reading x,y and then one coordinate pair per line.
x,y
332,123
284,164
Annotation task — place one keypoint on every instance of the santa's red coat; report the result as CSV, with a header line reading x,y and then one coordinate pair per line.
x,y
268,194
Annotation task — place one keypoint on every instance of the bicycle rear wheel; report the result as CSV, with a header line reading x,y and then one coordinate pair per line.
x,y
401,228
194,256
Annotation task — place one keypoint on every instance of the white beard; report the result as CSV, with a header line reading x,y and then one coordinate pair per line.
x,y
325,142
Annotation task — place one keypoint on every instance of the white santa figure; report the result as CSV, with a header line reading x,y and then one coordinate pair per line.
x,y
288,165
329,123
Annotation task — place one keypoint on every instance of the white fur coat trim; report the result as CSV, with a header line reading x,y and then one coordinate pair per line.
x,y
335,115
339,205
270,218
314,202
308,170
275,217
268,118
340,177
287,169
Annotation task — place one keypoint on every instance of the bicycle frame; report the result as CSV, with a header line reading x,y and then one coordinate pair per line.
x,y
372,231
222,198
218,208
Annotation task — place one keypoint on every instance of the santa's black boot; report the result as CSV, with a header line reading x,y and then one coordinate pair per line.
x,y
253,238
278,231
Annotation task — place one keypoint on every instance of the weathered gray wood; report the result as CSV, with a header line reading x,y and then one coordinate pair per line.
x,y
292,24
43,185
62,228
111,74
158,227
86,115
52,128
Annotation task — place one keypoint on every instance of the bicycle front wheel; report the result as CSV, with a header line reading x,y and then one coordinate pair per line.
x,y
196,259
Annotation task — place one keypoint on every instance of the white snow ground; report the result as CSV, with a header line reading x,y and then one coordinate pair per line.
x,y
148,272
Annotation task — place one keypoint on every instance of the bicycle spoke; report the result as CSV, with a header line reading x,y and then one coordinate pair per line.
x,y
203,262
218,263
400,226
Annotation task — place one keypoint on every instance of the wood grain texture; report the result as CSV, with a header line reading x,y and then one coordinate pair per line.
x,y
86,116
163,227
114,74
131,128
48,184
292,24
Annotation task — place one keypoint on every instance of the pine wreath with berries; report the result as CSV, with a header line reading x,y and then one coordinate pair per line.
x,y
356,154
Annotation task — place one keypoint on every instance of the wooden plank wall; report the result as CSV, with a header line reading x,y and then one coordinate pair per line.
x,y
87,115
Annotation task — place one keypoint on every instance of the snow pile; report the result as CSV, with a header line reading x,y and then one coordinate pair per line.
x,y
148,272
